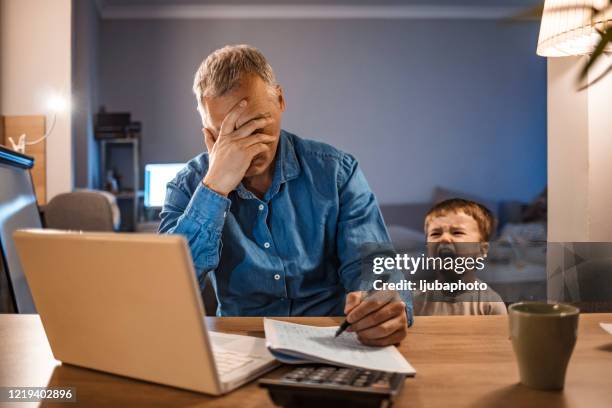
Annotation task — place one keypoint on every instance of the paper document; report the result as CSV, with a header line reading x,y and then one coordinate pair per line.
x,y
296,343
607,327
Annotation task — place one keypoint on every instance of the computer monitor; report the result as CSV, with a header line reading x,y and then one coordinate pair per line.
x,y
18,209
156,178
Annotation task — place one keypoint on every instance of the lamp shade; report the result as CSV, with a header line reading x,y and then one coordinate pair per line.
x,y
570,28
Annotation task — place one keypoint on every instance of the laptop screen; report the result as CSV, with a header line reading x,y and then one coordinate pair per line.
x,y
156,178
18,209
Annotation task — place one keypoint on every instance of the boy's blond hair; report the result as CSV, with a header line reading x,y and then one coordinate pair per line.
x,y
484,218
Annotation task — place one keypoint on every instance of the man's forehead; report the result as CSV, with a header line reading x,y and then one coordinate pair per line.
x,y
252,89
218,108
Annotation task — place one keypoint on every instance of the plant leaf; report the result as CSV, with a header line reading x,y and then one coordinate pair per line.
x,y
600,77
596,13
606,37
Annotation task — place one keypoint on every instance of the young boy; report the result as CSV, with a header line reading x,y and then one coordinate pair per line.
x,y
455,229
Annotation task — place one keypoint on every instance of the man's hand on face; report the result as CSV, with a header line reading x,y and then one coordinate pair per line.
x,y
379,320
232,151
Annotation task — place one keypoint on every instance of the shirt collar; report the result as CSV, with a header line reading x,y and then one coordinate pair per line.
x,y
286,168
289,165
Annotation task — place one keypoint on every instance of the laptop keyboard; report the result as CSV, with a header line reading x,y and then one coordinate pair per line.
x,y
228,361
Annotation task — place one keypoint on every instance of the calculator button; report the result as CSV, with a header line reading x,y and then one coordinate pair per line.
x,y
380,384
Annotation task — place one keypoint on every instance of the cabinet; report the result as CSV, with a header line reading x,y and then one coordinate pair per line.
x,y
120,159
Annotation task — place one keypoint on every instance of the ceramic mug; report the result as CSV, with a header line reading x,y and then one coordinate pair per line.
x,y
543,336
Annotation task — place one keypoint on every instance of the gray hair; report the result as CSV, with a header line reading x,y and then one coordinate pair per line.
x,y
222,71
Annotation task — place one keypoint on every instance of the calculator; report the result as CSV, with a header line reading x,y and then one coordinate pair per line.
x,y
320,386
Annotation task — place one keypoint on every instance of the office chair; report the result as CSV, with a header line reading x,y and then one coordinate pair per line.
x,y
85,210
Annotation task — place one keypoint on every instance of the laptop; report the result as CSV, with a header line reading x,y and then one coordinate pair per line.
x,y
129,304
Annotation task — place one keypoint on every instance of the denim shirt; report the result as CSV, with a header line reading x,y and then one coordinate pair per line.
x,y
296,252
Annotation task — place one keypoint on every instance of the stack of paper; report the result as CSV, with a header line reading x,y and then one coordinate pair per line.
x,y
296,343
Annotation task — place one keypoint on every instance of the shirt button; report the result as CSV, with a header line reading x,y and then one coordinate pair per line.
x,y
261,207
277,277
267,245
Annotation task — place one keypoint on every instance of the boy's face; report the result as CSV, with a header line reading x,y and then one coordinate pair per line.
x,y
454,234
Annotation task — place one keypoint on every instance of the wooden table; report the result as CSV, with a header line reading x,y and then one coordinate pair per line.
x,y
460,362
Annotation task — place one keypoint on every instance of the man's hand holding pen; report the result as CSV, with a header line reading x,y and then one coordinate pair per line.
x,y
377,317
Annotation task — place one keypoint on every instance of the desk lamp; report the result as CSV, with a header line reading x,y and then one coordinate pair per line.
x,y
55,104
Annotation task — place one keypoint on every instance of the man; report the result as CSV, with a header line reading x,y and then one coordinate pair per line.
x,y
277,221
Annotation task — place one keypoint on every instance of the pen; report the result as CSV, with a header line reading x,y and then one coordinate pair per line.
x,y
345,324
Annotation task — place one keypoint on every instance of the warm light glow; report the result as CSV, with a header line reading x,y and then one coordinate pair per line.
x,y
57,103
569,29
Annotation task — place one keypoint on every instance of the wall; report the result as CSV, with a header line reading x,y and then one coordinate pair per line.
x,y
85,68
35,62
580,149
457,103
